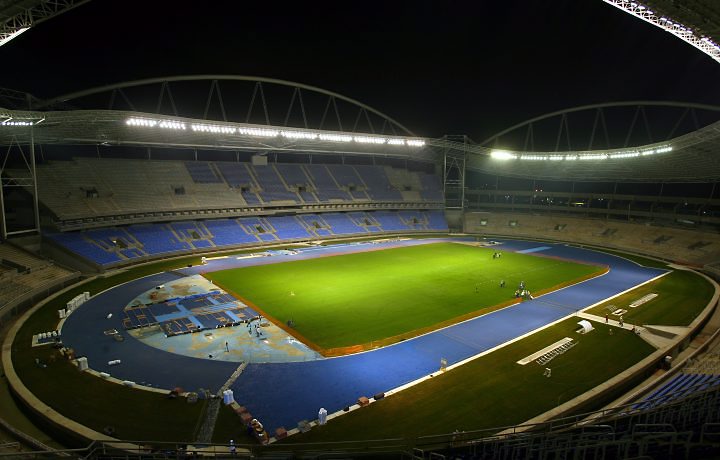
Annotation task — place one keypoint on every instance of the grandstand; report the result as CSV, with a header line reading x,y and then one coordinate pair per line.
x,y
133,195
103,213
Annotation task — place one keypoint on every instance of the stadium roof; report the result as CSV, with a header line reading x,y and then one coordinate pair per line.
x,y
17,16
702,15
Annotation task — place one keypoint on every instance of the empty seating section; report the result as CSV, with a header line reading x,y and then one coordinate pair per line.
x,y
190,230
326,188
290,229
677,388
228,232
158,239
431,187
259,227
390,221
314,224
23,273
342,224
85,247
202,172
238,176
436,220
347,178
365,220
272,187
93,187
628,236
379,187
112,245
296,179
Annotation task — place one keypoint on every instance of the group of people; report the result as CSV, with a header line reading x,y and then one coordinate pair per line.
x,y
254,327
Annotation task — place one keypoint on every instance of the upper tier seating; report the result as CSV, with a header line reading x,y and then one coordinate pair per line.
x,y
102,187
347,178
326,188
378,186
296,179
273,189
111,246
202,172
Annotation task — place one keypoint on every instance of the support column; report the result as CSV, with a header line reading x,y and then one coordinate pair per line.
x,y
454,173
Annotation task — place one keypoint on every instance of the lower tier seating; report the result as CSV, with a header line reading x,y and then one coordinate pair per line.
x,y
117,245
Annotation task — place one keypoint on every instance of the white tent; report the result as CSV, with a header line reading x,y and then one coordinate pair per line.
x,y
585,326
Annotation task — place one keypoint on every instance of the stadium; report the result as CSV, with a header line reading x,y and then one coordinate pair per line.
x,y
229,265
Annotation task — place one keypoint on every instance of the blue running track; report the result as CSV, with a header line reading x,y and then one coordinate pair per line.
x,y
281,394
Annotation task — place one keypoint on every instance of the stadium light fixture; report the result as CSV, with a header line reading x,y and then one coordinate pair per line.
x,y
598,155
369,140
592,156
205,128
335,137
258,132
502,155
12,35
299,135
13,121
148,122
533,157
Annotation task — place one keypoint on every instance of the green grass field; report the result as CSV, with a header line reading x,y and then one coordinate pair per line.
x,y
491,391
353,299
682,295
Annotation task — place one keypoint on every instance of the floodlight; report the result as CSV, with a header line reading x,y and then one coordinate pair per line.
x,y
335,137
592,156
369,140
396,141
630,154
11,122
298,135
415,142
533,157
502,155
208,128
258,132
170,124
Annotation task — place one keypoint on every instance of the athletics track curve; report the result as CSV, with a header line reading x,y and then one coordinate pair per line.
x,y
281,394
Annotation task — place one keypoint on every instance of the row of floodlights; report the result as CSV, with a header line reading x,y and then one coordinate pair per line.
x,y
21,122
270,132
505,155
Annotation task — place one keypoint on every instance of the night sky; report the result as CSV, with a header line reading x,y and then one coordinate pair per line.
x,y
452,67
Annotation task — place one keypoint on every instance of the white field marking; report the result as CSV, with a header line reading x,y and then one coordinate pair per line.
x,y
643,299
537,354
250,256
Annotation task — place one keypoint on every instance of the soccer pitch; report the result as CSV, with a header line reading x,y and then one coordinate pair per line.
x,y
386,295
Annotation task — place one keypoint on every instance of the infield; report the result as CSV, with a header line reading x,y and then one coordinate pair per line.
x,y
378,297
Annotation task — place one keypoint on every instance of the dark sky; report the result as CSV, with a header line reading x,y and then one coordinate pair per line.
x,y
439,67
